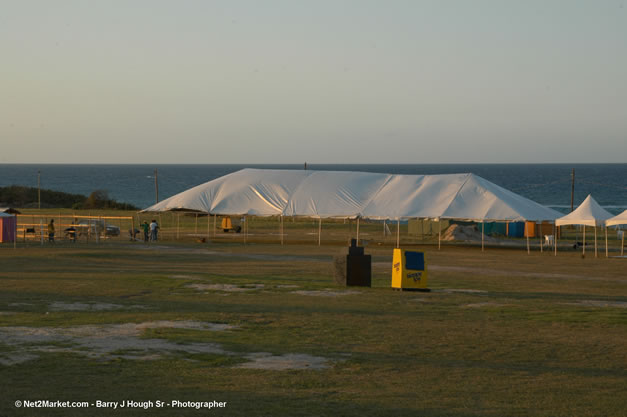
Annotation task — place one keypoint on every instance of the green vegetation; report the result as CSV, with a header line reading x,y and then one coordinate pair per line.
x,y
27,197
502,333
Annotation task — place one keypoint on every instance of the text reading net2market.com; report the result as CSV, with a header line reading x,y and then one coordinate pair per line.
x,y
120,404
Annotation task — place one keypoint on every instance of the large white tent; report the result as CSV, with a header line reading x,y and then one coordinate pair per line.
x,y
589,213
343,194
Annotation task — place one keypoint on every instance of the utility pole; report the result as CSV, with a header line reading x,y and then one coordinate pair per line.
x,y
156,187
572,191
39,190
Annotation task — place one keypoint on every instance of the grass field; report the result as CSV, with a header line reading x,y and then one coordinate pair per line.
x,y
263,328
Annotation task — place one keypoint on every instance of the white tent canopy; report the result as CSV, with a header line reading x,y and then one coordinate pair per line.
x,y
343,194
616,220
589,213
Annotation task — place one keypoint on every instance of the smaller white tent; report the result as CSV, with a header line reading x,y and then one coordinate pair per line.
x,y
589,213
616,220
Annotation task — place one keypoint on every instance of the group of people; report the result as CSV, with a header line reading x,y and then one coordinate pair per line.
x,y
151,231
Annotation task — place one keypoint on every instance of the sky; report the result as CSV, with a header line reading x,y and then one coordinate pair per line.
x,y
322,81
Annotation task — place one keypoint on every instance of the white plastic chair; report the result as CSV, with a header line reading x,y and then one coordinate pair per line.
x,y
549,240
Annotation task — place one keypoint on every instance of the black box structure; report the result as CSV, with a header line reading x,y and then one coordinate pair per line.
x,y
354,269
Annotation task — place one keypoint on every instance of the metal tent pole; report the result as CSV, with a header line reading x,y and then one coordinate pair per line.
x,y
555,238
398,233
482,231
281,228
584,240
357,231
596,255
439,233
319,230
606,249
215,217
541,236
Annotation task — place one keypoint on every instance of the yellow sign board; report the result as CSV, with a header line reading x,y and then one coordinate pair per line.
x,y
409,270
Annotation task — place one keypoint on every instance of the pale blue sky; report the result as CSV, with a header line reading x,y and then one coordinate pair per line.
x,y
319,81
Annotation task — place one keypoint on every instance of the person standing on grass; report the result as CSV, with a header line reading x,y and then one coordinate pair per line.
x,y
146,228
51,231
153,230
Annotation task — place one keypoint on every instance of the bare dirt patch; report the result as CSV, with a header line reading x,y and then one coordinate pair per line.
x,y
488,271
9,359
184,277
225,287
90,306
325,293
462,290
124,341
600,303
486,304
106,340
264,360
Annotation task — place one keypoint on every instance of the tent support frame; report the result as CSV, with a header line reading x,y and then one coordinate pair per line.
x,y
398,233
319,230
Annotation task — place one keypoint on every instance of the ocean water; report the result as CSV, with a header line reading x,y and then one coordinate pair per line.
x,y
548,184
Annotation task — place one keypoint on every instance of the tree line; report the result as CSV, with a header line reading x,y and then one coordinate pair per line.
x,y
26,197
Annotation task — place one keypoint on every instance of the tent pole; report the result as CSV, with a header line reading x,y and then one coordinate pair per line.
x,y
482,231
245,229
383,229
527,233
606,249
281,229
555,238
595,242
541,236
439,233
357,231
208,224
622,244
319,230
215,217
398,233
196,227
584,240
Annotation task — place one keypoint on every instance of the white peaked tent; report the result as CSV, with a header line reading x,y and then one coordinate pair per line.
x,y
615,221
589,213
344,194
